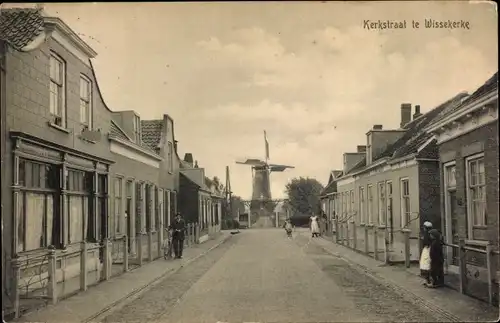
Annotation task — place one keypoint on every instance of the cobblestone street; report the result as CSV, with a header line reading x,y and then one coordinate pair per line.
x,y
261,276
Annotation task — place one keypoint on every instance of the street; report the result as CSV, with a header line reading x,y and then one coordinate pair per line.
x,y
262,276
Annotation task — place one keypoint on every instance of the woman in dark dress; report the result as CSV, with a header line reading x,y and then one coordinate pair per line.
x,y
437,258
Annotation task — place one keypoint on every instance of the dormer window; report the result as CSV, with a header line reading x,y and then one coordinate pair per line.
x,y
137,129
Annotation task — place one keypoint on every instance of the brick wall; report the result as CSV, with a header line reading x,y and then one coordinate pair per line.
x,y
484,139
429,192
188,202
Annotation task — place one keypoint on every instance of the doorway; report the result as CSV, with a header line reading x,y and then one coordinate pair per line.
x,y
128,214
450,203
390,222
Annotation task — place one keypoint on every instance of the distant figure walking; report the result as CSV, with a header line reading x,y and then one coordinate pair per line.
x,y
314,226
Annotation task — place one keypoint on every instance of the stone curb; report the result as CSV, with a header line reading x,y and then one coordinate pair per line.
x,y
137,292
403,292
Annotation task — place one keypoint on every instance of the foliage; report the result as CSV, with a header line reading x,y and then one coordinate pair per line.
x,y
237,204
304,196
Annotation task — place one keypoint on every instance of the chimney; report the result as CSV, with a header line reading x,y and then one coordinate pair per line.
x,y
361,149
417,112
377,127
405,114
188,158
196,164
175,145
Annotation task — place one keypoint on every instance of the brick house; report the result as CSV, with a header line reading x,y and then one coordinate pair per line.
x,y
391,185
467,137
327,198
73,171
199,200
145,180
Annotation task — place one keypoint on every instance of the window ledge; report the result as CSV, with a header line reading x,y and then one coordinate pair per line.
x,y
370,225
362,224
86,140
480,227
382,227
479,243
55,126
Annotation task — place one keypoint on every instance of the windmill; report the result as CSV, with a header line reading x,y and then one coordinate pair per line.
x,y
261,185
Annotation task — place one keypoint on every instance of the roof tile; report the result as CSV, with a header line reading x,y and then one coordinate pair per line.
x,y
151,132
20,26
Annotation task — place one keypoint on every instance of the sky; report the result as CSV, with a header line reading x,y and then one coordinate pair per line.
x,y
309,73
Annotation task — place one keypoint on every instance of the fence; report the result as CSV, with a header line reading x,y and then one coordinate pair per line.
x,y
472,271
379,241
53,275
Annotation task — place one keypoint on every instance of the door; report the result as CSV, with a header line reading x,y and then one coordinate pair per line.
x,y
452,236
390,221
128,210
450,201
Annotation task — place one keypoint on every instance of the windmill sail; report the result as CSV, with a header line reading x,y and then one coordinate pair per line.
x,y
267,145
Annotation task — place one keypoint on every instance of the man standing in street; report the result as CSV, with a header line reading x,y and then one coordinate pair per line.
x,y
179,229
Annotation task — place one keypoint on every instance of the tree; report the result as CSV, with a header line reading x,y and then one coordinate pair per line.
x,y
304,196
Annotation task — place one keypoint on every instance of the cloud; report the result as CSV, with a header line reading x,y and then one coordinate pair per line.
x,y
352,79
315,84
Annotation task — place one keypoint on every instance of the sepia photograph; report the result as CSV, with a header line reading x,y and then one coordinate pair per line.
x,y
253,161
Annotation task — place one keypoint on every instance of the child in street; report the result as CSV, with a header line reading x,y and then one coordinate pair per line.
x,y
288,228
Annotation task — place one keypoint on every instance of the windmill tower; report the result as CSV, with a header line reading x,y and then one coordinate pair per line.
x,y
261,184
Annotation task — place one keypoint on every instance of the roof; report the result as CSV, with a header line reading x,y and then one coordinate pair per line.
x,y
490,85
182,175
20,26
151,132
415,135
117,132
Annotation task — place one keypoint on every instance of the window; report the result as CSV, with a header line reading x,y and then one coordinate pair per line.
x,y
369,149
99,229
152,209
476,192
451,181
381,203
57,90
118,205
137,129
344,205
389,209
370,204
405,202
362,205
170,157
78,184
36,208
148,207
86,102
139,221
352,203
158,207
166,207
